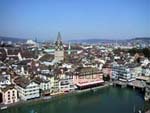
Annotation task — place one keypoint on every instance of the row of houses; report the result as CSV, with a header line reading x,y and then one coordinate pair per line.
x,y
25,88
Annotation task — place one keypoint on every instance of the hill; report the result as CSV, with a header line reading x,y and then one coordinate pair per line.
x,y
12,39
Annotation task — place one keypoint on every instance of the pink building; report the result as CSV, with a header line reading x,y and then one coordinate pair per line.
x,y
9,95
87,77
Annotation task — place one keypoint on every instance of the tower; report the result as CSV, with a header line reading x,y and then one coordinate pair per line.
x,y
36,48
69,49
59,49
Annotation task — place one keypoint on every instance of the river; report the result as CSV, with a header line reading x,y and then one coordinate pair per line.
x,y
106,100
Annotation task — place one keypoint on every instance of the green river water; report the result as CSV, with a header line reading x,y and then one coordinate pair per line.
x,y
106,100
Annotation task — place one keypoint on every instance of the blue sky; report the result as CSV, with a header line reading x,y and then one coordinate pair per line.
x,y
75,19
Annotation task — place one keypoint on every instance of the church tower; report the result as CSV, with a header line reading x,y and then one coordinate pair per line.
x,y
59,49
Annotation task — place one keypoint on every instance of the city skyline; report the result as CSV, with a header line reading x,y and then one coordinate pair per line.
x,y
105,19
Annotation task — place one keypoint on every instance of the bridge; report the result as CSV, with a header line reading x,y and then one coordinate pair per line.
x,y
120,83
135,84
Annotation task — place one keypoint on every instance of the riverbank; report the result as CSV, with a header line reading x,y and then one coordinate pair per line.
x,y
49,98
126,99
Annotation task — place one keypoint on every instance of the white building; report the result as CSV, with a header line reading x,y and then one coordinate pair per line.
x,y
48,77
27,89
145,62
146,71
66,83
121,73
44,84
135,69
4,80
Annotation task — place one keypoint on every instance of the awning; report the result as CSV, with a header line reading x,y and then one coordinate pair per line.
x,y
89,83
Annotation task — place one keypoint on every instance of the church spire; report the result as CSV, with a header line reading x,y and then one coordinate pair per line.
x,y
58,43
58,37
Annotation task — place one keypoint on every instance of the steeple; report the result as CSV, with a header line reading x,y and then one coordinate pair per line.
x,y
35,39
58,43
58,37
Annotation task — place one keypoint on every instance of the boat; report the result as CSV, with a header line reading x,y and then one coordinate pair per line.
x,y
140,111
32,111
4,107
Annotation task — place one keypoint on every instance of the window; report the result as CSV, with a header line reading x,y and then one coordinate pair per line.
x,y
8,98
8,94
13,93
87,77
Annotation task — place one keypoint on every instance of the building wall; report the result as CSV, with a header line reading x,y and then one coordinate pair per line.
x,y
59,55
55,87
136,71
67,86
120,72
52,81
107,71
146,71
45,86
10,96
30,92
4,83
87,78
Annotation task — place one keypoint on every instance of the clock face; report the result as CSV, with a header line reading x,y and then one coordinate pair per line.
x,y
57,48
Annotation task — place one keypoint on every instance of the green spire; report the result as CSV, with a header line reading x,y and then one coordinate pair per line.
x,y
69,49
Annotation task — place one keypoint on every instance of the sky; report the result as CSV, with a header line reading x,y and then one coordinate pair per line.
x,y
75,19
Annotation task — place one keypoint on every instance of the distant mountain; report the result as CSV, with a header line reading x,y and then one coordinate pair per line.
x,y
142,38
12,39
92,41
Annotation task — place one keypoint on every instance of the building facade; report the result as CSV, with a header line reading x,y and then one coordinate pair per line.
x,y
28,90
87,77
121,73
66,83
9,95
45,86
